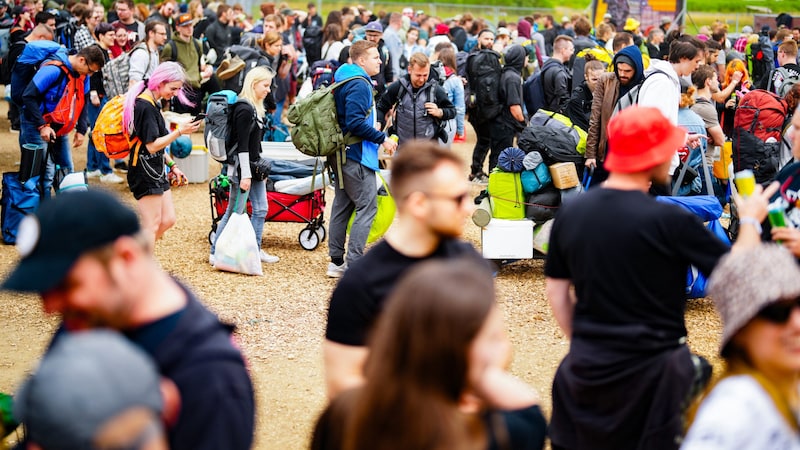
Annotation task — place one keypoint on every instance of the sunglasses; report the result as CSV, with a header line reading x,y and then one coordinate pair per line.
x,y
458,199
779,312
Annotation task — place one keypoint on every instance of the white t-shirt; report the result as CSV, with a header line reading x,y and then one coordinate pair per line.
x,y
739,414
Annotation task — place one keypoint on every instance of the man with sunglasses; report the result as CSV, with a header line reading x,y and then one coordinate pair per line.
x,y
618,293
433,202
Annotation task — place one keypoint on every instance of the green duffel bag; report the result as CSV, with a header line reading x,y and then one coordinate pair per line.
x,y
505,195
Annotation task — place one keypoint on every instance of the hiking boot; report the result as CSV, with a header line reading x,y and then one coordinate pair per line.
x,y
111,178
335,271
267,258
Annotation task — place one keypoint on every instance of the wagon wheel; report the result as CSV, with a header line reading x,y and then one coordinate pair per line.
x,y
321,233
308,239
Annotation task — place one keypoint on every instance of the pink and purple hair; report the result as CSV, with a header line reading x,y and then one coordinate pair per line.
x,y
166,72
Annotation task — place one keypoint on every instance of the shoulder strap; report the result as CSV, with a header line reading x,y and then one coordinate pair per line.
x,y
173,47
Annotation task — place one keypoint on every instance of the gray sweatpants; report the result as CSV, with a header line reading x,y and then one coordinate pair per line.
x,y
359,195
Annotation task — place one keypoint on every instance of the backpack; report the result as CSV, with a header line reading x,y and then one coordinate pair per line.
x,y
760,117
788,78
483,75
116,75
561,123
321,73
760,59
108,134
312,44
533,91
9,60
216,127
316,130
67,111
251,57
632,96
554,145
174,51
32,57
437,72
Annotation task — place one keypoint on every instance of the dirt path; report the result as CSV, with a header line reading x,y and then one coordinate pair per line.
x,y
281,316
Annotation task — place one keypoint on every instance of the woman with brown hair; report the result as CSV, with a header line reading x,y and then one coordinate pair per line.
x,y
435,376
755,405
332,43
280,60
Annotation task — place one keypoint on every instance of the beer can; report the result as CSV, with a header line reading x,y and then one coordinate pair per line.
x,y
745,182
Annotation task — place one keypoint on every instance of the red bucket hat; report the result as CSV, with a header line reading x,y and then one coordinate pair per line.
x,y
640,138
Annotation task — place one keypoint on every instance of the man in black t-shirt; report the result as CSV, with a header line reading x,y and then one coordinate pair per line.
x,y
511,119
625,317
433,202
101,274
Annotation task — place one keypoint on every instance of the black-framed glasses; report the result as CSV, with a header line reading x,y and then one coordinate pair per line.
x,y
779,312
458,199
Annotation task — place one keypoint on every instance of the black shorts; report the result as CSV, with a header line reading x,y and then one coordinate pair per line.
x,y
148,177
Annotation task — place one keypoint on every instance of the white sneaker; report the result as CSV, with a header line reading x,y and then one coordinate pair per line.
x,y
111,178
267,258
94,174
335,271
212,259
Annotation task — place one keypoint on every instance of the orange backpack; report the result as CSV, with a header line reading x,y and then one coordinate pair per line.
x,y
108,135
65,115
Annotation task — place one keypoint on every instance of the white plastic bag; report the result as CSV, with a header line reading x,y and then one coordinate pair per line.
x,y
236,249
541,236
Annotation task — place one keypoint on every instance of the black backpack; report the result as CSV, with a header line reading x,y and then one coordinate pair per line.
x,y
554,145
483,75
251,58
312,43
10,59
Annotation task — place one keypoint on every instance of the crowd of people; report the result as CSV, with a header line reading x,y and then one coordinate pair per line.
x,y
415,351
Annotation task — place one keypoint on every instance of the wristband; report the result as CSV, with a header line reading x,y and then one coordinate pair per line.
x,y
751,221
170,164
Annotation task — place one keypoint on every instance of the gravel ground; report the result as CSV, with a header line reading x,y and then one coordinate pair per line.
x,y
280,317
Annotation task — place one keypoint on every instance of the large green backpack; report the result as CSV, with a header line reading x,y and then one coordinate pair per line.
x,y
316,130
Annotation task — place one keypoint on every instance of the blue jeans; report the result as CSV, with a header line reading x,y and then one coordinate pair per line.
x,y
58,155
360,195
258,200
96,160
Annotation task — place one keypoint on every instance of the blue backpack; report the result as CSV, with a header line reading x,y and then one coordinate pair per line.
x,y
533,91
32,57
18,200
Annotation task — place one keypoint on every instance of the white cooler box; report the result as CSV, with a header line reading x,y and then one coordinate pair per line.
x,y
507,239
195,166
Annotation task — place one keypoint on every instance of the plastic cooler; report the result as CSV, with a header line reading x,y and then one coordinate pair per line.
x,y
195,166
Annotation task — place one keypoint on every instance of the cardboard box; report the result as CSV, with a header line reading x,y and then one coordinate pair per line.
x,y
507,239
565,175
195,166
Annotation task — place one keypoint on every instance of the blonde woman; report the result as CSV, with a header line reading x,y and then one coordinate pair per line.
x,y
246,129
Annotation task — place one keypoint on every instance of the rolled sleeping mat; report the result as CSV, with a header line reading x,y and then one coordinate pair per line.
x,y
483,213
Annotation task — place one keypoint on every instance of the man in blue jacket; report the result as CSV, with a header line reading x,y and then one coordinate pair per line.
x,y
355,107
52,106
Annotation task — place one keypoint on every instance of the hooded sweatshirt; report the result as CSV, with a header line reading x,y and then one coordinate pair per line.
x,y
511,84
632,56
356,114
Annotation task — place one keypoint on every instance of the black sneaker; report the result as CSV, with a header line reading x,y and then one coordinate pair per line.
x,y
122,166
479,178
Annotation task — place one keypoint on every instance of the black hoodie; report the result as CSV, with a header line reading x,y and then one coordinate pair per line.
x,y
511,85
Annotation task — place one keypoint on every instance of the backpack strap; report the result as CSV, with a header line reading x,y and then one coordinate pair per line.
x,y
348,137
137,143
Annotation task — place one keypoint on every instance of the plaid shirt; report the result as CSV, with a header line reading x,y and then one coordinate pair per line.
x,y
83,38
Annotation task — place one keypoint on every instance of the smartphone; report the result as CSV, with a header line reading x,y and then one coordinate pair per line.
x,y
201,116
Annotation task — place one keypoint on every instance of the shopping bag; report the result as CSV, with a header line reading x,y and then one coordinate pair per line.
x,y
385,215
236,248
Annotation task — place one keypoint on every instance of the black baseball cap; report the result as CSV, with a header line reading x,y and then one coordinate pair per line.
x,y
63,229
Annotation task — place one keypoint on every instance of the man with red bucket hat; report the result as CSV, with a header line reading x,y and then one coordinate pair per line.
x,y
629,375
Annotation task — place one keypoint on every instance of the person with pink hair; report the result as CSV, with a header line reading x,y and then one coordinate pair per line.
x,y
142,120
